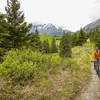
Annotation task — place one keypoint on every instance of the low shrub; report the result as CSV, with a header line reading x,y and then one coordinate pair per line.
x,y
22,65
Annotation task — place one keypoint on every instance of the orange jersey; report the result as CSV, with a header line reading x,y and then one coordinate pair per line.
x,y
96,55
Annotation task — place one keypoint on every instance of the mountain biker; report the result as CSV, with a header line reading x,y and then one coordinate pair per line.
x,y
95,56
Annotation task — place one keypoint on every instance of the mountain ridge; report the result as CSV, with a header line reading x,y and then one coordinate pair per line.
x,y
50,29
91,26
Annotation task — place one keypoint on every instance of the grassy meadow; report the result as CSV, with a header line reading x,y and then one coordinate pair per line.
x,y
49,38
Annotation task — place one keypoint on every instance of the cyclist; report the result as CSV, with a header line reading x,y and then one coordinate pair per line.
x,y
94,57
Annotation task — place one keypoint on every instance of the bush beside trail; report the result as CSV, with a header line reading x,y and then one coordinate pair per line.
x,y
23,65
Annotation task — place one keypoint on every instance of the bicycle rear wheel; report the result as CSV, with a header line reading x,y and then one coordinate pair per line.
x,y
98,69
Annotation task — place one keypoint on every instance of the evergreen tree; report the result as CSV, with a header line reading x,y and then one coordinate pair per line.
x,y
94,35
87,35
91,36
3,31
35,42
4,36
4,42
82,37
97,37
65,45
2,23
45,46
53,46
17,27
74,39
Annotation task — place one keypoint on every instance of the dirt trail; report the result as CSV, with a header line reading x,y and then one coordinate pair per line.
x,y
92,90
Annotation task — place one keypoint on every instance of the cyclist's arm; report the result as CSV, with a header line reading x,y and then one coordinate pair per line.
x,y
92,56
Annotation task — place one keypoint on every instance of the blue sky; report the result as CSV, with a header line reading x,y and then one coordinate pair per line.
x,y
71,14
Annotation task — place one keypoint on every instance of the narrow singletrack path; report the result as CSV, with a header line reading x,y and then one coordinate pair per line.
x,y
92,90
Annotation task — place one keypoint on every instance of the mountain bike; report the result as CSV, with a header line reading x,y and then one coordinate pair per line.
x,y
97,66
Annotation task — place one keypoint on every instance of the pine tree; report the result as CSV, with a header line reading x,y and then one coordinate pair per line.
x,y
74,39
87,35
94,35
65,45
4,36
45,46
53,46
91,36
17,27
97,38
35,42
82,37
2,29
4,42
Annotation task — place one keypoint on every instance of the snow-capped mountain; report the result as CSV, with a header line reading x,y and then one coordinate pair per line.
x,y
50,29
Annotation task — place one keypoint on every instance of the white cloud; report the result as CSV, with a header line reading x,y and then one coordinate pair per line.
x,y
95,11
97,1
2,5
70,13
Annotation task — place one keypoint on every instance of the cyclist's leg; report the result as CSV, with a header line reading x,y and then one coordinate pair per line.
x,y
98,67
95,62
95,65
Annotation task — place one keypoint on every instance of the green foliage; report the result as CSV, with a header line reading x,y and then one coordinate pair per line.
x,y
65,45
17,28
22,65
95,37
34,41
53,46
45,36
2,53
3,23
82,38
45,46
98,38
72,64
75,37
4,41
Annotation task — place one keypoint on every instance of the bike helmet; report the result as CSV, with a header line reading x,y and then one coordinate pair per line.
x,y
96,48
